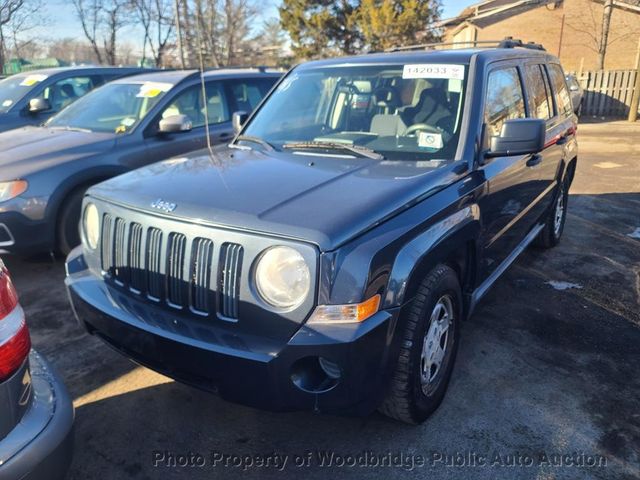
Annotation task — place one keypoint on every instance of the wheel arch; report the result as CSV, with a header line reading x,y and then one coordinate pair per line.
x,y
81,180
452,241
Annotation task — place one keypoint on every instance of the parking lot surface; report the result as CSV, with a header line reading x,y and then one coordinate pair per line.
x,y
546,383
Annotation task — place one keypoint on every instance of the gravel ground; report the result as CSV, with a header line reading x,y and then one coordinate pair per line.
x,y
548,366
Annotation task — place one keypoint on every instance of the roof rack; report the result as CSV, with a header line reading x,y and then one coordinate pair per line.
x,y
507,42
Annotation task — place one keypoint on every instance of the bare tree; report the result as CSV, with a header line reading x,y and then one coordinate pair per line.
x,y
8,10
25,19
157,20
101,20
219,29
595,26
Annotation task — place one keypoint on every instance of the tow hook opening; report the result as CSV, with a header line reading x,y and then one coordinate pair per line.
x,y
315,374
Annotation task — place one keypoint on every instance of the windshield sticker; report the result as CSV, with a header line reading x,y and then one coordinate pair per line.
x,y
433,70
31,80
7,103
153,89
430,140
127,122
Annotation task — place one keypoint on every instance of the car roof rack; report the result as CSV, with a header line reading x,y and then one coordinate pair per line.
x,y
507,42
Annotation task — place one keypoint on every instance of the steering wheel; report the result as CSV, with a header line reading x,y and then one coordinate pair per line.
x,y
420,127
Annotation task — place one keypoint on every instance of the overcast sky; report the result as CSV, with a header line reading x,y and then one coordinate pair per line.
x,y
63,23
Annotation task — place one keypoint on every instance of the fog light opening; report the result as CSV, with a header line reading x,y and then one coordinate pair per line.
x,y
315,374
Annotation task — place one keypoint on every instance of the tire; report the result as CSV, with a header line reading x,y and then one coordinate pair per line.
x,y
416,390
67,227
554,224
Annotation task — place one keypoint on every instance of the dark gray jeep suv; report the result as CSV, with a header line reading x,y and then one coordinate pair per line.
x,y
325,259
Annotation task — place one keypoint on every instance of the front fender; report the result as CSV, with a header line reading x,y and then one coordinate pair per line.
x,y
430,248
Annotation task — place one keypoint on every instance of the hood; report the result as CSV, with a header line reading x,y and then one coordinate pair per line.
x,y
323,200
29,149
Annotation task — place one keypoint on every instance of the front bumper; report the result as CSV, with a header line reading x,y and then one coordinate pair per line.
x,y
19,234
40,446
241,368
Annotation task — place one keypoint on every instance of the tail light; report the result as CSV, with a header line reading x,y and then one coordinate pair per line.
x,y
15,342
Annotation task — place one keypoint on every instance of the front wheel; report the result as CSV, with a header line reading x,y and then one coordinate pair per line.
x,y
68,229
428,349
554,224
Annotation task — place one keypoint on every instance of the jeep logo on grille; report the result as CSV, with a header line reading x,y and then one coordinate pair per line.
x,y
167,207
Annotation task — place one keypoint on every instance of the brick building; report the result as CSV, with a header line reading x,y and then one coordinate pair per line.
x,y
571,28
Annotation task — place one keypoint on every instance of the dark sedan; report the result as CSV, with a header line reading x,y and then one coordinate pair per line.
x,y
31,98
128,123
36,413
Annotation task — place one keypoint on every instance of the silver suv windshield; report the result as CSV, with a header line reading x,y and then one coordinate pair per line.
x,y
403,112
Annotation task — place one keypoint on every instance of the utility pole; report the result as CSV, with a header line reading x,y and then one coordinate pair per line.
x,y
606,22
179,33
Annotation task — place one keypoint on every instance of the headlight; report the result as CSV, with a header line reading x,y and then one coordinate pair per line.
x,y
9,190
91,223
282,277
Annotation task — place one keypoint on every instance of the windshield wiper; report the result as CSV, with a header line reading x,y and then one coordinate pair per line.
x,y
357,149
258,140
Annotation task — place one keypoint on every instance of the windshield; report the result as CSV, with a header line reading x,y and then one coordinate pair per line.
x,y
115,107
404,112
14,89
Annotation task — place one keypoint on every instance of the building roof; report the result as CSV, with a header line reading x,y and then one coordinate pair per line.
x,y
491,11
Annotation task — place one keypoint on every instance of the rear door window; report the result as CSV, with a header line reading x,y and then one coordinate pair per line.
x,y
248,92
563,100
504,100
540,104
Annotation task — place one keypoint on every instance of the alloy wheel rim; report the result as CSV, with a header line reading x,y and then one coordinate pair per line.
x,y
559,214
436,343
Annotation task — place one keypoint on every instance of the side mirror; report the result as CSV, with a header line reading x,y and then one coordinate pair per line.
x,y
37,105
519,136
175,124
238,120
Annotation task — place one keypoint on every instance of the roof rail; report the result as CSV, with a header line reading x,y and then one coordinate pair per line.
x,y
507,42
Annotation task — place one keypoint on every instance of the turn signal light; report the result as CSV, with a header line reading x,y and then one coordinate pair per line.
x,y
350,313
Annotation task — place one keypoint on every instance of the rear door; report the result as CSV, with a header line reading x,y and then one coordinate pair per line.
x,y
562,128
541,105
512,182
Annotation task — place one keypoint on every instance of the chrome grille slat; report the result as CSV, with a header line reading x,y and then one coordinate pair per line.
x,y
137,278
105,243
175,265
229,279
119,252
154,264
200,285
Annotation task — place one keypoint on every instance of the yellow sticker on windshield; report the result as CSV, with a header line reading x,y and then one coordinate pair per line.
x,y
153,89
31,80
